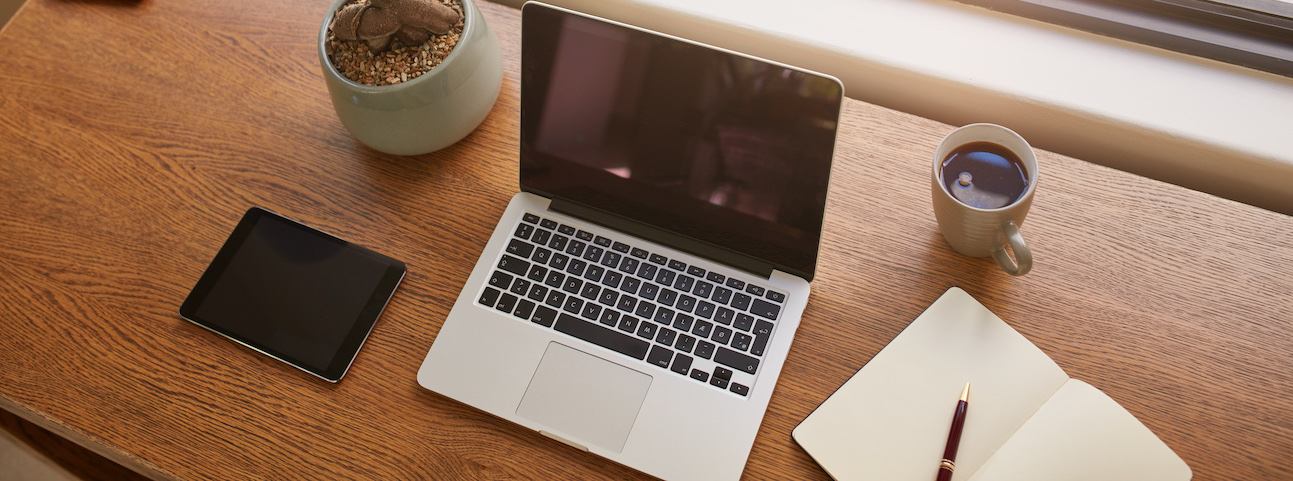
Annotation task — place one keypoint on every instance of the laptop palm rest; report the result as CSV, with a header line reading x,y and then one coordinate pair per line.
x,y
584,397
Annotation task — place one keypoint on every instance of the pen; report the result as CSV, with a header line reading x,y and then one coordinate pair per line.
x,y
946,466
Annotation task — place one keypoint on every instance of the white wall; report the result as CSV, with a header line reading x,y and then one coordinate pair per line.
x,y
1194,122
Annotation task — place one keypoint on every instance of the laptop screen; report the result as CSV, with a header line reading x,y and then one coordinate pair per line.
x,y
724,149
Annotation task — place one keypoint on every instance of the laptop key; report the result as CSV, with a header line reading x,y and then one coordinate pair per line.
x,y
705,309
544,316
630,285
681,364
645,310
776,296
558,242
524,230
531,218
555,279
620,247
609,317
735,283
665,336
572,285
704,349
744,322
548,224
594,254
699,375
524,309
721,294
565,229
520,287
541,255
702,289
740,389
649,291
724,316
513,265
740,301
520,248
590,291
555,299
656,258
667,297
736,360
602,241
722,335
612,279
506,303
685,303
626,303
665,277
584,235
741,341
601,336
722,373
685,343
647,271
538,293
576,267
559,262
684,283
718,381
500,280
682,322
608,297
573,305
765,309
576,248
754,290
489,297
541,237
537,273
702,329
611,259
660,356
628,324
646,330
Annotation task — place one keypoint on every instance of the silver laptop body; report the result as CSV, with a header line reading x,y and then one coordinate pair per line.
x,y
639,296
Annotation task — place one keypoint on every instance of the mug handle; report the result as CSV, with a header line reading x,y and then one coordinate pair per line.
x,y
1023,260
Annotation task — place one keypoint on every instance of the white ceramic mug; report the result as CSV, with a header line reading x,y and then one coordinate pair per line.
x,y
983,232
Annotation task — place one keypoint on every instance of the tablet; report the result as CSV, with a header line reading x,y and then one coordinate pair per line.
x,y
294,293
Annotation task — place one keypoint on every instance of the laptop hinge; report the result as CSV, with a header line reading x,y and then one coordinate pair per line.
x,y
686,244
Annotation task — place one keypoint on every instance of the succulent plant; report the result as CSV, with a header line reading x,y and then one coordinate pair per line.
x,y
378,21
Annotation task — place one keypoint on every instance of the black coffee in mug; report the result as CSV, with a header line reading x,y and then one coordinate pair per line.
x,y
984,175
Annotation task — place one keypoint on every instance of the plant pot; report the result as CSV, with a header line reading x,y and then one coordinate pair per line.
x,y
427,113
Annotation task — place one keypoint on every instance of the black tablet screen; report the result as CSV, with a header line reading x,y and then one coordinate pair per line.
x,y
293,292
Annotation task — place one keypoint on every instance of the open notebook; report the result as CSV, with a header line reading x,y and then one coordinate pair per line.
x,y
1027,419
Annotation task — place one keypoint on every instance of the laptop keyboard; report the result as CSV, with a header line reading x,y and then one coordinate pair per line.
x,y
694,322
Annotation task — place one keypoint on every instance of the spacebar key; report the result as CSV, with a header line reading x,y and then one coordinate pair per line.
x,y
607,338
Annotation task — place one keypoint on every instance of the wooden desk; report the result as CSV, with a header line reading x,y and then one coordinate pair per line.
x,y
134,134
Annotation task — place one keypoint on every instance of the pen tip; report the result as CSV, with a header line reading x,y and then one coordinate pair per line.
x,y
965,393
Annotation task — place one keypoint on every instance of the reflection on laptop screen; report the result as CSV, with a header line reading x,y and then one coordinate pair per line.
x,y
725,149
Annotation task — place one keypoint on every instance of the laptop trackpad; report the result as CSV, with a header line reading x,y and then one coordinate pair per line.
x,y
586,397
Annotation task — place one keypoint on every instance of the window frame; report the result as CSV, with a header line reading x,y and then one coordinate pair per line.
x,y
1208,29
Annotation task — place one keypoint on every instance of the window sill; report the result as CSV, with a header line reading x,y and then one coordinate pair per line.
x,y
1197,123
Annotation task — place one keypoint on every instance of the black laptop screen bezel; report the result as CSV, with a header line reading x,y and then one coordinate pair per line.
x,y
782,246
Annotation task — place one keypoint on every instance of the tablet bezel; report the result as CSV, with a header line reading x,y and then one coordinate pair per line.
x,y
360,328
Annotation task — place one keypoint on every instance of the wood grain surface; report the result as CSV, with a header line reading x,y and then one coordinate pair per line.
x,y
134,134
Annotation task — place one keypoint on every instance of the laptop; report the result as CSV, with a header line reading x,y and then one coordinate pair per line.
x,y
640,294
